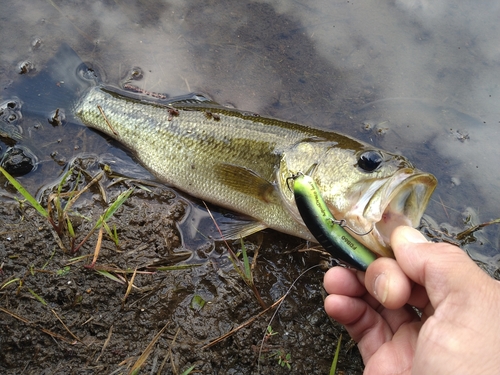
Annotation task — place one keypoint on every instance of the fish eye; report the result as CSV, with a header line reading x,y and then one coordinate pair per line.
x,y
369,161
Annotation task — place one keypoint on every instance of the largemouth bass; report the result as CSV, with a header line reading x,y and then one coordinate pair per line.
x,y
241,161
237,159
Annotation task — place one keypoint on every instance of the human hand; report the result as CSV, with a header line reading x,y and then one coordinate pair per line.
x,y
459,330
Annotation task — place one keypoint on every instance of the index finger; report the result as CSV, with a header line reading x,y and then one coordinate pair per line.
x,y
339,280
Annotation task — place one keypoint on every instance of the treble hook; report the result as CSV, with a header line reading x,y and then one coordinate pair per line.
x,y
309,172
343,224
292,177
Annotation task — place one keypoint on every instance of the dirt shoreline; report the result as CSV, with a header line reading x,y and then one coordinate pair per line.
x,y
61,317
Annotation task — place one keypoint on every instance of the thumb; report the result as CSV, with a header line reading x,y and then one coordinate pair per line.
x,y
440,267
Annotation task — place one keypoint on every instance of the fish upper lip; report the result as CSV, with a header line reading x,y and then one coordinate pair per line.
x,y
398,200
419,187
401,200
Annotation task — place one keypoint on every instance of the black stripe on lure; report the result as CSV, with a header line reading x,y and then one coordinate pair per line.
x,y
325,228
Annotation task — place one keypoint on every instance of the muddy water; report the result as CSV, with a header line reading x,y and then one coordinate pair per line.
x,y
410,76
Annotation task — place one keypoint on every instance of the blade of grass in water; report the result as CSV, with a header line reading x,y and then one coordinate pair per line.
x,y
197,302
25,193
63,180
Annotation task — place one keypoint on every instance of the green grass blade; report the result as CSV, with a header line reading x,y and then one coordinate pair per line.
x,y
73,191
63,271
109,276
77,259
112,234
25,193
115,235
197,302
115,206
333,368
63,180
246,263
188,371
9,282
47,262
107,229
236,265
40,299
71,231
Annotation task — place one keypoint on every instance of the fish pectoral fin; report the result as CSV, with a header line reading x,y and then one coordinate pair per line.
x,y
236,229
247,182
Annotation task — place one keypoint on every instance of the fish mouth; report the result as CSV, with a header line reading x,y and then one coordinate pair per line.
x,y
398,200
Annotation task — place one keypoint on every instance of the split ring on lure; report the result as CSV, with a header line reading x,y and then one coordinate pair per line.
x,y
325,228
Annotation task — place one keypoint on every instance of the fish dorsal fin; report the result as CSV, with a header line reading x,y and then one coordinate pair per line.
x,y
191,99
247,182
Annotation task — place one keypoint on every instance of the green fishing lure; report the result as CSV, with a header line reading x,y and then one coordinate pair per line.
x,y
325,228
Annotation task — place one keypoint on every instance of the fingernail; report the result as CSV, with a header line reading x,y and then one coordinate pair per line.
x,y
381,289
414,236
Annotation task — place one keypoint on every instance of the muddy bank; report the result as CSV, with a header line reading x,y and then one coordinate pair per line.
x,y
60,315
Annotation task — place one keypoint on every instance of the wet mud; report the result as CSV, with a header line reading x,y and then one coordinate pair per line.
x,y
63,313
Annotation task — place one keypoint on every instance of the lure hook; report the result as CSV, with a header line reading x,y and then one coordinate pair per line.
x,y
292,177
343,224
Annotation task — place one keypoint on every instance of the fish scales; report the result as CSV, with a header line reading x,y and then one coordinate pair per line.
x,y
241,161
184,150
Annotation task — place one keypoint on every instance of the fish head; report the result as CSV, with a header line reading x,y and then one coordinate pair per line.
x,y
374,191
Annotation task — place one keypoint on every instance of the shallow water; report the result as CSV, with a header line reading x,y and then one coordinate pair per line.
x,y
411,76
416,77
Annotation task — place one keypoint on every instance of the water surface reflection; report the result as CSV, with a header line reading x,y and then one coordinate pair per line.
x,y
413,76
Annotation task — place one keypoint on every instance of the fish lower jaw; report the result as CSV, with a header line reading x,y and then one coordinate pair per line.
x,y
389,222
